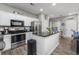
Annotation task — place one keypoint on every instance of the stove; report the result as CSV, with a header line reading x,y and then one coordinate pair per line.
x,y
18,40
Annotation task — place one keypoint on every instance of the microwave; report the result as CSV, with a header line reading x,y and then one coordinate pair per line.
x,y
17,23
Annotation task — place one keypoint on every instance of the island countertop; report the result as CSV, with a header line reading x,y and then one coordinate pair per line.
x,y
45,34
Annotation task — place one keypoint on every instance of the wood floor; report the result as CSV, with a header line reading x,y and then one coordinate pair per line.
x,y
64,48
22,50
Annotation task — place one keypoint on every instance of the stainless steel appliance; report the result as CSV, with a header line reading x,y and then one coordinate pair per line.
x,y
17,23
36,27
17,28
18,40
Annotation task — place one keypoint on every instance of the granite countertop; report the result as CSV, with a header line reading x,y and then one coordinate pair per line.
x,y
14,33
45,34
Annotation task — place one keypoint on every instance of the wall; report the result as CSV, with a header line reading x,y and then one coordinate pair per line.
x,y
70,25
56,22
10,9
78,22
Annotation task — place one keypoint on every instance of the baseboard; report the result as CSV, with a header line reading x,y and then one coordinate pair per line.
x,y
53,49
71,38
38,53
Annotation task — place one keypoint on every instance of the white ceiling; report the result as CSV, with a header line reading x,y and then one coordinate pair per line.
x,y
53,11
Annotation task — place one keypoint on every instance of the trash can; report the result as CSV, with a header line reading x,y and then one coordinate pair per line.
x,y
31,45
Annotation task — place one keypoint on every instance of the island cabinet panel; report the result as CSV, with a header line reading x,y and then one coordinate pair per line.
x,y
51,43
46,45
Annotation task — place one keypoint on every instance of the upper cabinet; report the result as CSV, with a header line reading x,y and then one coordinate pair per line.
x,y
29,20
6,17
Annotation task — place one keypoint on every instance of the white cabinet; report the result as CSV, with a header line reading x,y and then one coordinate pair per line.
x,y
4,18
7,40
28,36
46,45
29,20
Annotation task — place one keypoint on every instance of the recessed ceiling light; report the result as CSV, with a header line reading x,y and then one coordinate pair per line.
x,y
53,4
41,9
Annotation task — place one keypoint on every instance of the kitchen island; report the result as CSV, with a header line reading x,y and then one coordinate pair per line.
x,y
46,44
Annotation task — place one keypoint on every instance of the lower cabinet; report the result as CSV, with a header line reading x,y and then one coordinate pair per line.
x,y
28,36
7,40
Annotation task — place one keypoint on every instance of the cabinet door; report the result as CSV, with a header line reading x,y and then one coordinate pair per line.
x,y
4,19
28,36
28,21
7,40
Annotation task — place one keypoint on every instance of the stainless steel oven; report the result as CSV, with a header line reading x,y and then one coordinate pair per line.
x,y
17,29
18,40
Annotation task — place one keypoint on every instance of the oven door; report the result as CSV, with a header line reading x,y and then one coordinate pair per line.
x,y
18,38
13,39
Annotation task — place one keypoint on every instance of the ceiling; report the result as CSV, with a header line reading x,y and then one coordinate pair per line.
x,y
60,9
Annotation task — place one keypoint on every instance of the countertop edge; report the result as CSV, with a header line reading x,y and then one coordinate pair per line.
x,y
46,35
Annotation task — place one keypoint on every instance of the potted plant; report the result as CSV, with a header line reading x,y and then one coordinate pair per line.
x,y
49,30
